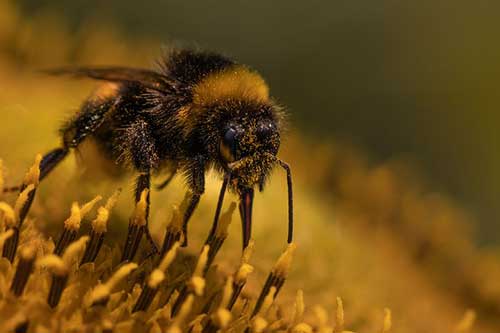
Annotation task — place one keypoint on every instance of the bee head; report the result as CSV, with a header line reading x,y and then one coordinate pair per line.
x,y
247,144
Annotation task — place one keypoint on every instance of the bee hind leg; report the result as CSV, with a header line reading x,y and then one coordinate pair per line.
x,y
49,161
74,131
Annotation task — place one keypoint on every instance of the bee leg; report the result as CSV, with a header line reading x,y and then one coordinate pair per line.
x,y
144,183
140,149
73,133
49,161
196,180
165,183
86,122
220,201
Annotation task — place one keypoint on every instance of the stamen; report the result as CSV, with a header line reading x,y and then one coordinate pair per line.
x,y
70,230
60,268
25,199
277,277
24,270
2,179
4,236
388,321
60,275
196,284
321,321
302,328
339,316
174,230
178,320
9,246
258,325
136,227
222,316
299,308
241,275
99,229
14,221
8,215
72,224
86,208
156,277
465,325
100,294
33,174
216,240
195,325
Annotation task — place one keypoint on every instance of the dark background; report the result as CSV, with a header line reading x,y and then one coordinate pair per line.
x,y
418,79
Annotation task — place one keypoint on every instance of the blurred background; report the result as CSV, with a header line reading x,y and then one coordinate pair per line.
x,y
418,79
394,128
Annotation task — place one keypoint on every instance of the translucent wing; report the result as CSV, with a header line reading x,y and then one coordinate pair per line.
x,y
147,78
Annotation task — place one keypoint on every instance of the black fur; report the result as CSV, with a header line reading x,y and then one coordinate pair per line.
x,y
189,67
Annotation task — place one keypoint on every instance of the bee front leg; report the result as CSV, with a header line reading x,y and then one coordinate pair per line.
x,y
196,182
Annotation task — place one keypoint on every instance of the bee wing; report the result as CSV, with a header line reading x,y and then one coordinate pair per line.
x,y
148,78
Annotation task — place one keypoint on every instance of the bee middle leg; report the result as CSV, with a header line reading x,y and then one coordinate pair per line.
x,y
144,183
140,151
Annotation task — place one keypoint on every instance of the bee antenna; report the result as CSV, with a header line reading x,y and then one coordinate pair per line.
x,y
285,166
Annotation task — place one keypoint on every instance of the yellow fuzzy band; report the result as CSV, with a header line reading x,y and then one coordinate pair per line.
x,y
236,82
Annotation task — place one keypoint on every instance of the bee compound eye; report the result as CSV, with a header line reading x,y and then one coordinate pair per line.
x,y
229,144
230,137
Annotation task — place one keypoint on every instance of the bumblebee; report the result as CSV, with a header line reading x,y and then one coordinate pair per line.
x,y
196,111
